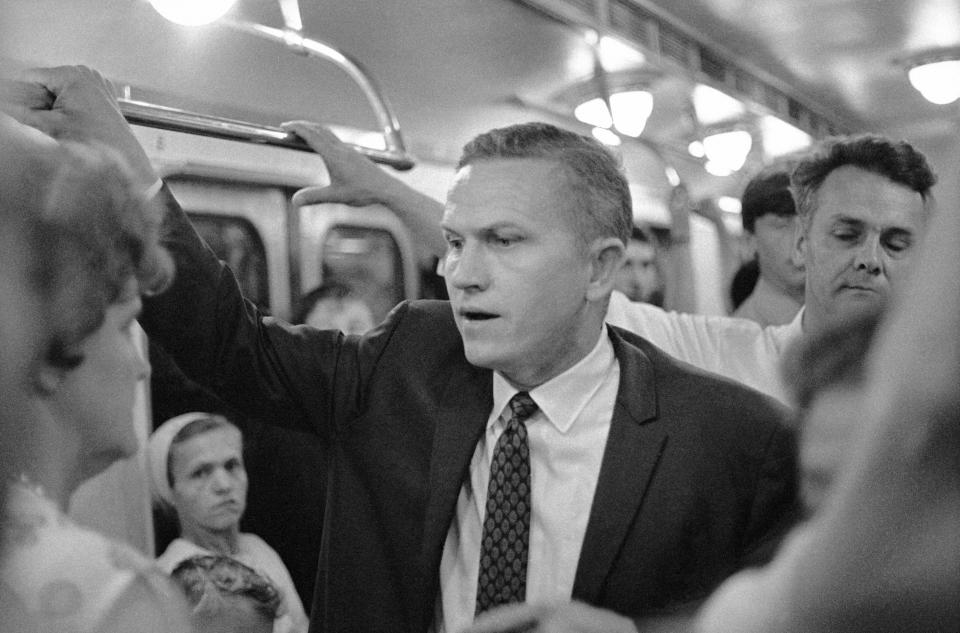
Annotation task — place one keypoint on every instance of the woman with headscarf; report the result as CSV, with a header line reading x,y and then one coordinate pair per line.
x,y
196,470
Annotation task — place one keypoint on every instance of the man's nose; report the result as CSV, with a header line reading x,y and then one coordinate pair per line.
x,y
466,268
868,256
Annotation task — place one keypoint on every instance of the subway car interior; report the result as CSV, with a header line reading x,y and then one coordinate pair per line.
x,y
694,96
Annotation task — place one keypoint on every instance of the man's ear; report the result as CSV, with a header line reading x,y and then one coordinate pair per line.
x,y
607,255
799,254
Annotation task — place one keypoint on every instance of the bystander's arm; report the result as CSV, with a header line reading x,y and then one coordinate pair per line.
x,y
680,292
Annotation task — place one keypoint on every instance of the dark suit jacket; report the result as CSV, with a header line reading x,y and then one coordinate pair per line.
x,y
697,474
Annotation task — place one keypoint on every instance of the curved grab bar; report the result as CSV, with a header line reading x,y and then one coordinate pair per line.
x,y
394,154
152,115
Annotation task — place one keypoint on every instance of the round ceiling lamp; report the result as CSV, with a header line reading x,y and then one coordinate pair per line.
x,y
935,73
192,12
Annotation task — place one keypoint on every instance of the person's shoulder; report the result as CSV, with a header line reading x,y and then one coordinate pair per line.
x,y
177,551
252,544
88,574
147,606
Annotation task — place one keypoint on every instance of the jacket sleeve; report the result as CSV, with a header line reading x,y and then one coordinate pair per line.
x,y
300,377
776,507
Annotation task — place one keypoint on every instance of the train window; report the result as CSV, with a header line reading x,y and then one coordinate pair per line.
x,y
237,242
368,261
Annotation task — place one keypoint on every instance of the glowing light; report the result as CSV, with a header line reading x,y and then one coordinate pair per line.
x,y
716,169
672,176
779,137
616,54
713,106
594,112
631,110
727,151
606,137
192,12
938,82
728,204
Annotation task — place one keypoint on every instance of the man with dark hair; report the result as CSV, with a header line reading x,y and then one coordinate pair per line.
x,y
863,204
640,277
769,221
506,446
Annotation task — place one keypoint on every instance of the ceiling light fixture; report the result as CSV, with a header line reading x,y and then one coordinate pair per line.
x,y
606,137
627,112
713,106
192,12
935,73
780,137
726,152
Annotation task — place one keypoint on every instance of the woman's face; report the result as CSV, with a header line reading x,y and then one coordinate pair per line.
x,y
99,393
20,341
209,480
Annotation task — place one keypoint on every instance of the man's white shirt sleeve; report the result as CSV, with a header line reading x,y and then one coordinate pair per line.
x,y
736,348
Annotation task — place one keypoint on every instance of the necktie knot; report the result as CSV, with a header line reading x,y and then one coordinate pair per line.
x,y
522,406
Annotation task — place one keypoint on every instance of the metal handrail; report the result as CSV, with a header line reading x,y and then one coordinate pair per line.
x,y
153,115
394,154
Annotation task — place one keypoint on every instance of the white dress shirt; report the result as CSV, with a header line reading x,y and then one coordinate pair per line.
x,y
736,348
567,436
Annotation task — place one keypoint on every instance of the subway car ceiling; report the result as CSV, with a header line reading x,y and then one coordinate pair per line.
x,y
452,68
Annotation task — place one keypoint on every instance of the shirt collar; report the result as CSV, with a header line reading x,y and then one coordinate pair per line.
x,y
562,398
796,326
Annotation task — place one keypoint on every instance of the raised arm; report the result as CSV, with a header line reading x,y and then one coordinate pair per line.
x,y
264,368
357,181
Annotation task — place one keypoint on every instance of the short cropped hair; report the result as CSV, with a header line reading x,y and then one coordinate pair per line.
x,y
98,231
767,193
897,161
223,576
595,183
640,234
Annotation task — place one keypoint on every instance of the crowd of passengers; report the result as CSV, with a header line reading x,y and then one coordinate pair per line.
x,y
539,452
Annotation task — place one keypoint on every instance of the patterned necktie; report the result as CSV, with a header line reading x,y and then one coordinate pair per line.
x,y
506,526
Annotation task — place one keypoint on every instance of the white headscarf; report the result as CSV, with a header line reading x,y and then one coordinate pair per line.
x,y
158,451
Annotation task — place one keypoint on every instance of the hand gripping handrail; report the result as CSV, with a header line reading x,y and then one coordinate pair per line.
x,y
394,154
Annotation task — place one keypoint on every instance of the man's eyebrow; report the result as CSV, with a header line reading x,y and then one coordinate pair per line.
x,y
846,219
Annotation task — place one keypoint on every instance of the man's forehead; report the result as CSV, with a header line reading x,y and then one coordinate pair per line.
x,y
507,168
850,193
506,184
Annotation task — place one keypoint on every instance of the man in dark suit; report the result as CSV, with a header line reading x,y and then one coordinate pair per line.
x,y
506,446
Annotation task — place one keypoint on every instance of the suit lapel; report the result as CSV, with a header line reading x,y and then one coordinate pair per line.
x,y
633,450
460,420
